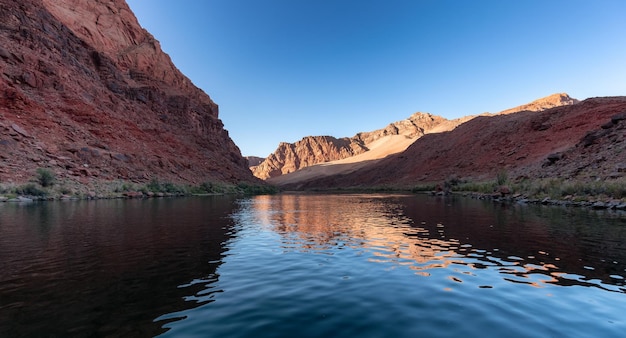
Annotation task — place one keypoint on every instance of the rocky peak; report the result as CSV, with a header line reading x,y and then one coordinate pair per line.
x,y
415,126
110,27
289,157
551,101
311,150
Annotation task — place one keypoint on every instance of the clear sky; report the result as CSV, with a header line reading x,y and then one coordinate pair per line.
x,y
284,69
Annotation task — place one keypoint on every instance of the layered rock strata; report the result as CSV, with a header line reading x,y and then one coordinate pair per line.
x,y
89,94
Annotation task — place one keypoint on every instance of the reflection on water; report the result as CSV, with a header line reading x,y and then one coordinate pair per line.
x,y
527,244
309,266
104,268
406,266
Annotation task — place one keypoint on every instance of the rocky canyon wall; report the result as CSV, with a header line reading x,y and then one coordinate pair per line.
x,y
89,94
310,150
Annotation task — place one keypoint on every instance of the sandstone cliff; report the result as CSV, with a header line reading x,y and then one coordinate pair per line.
x,y
584,141
290,157
89,94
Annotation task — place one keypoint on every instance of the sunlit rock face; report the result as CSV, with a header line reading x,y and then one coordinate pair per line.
x,y
89,94
311,150
582,141
551,101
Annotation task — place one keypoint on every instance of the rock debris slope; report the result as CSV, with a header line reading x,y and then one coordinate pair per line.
x,y
89,94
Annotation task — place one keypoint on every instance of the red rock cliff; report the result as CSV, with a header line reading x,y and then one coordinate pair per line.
x,y
310,150
89,94
584,141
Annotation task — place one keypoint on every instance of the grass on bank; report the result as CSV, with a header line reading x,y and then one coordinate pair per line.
x,y
560,188
44,185
553,188
209,188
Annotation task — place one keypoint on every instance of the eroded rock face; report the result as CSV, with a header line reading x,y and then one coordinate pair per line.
x,y
290,157
415,126
311,150
89,94
585,141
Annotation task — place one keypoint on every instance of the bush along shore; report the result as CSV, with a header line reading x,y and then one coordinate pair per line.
x,y
595,194
45,187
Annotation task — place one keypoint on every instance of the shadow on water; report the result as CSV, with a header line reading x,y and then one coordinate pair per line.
x,y
570,246
107,267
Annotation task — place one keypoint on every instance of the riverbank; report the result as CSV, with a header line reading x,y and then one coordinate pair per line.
x,y
46,188
568,201
556,192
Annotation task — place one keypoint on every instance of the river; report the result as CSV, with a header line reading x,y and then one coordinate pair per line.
x,y
310,265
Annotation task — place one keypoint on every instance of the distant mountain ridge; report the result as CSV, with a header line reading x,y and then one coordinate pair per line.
x,y
254,160
583,141
312,150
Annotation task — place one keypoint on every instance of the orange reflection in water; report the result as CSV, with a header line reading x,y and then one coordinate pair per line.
x,y
376,224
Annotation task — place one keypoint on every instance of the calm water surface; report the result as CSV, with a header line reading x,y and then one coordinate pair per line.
x,y
310,266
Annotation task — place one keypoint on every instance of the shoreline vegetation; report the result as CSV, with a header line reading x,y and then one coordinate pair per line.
x,y
596,194
45,187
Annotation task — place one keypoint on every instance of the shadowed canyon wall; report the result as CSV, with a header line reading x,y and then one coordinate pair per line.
x,y
89,94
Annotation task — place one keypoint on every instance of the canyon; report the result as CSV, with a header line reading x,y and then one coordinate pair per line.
x,y
88,94
394,138
579,142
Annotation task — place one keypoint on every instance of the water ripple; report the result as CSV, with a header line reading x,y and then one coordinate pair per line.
x,y
343,258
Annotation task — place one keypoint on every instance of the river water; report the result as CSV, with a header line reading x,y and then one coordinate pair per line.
x,y
310,265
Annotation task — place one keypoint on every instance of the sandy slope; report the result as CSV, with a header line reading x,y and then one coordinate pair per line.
x,y
380,148
581,142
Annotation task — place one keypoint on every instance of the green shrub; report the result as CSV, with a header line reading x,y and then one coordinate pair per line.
x,y
170,187
253,189
45,177
209,187
124,187
424,187
559,188
154,186
502,177
479,187
30,190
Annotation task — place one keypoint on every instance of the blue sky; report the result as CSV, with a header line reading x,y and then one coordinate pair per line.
x,y
284,69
